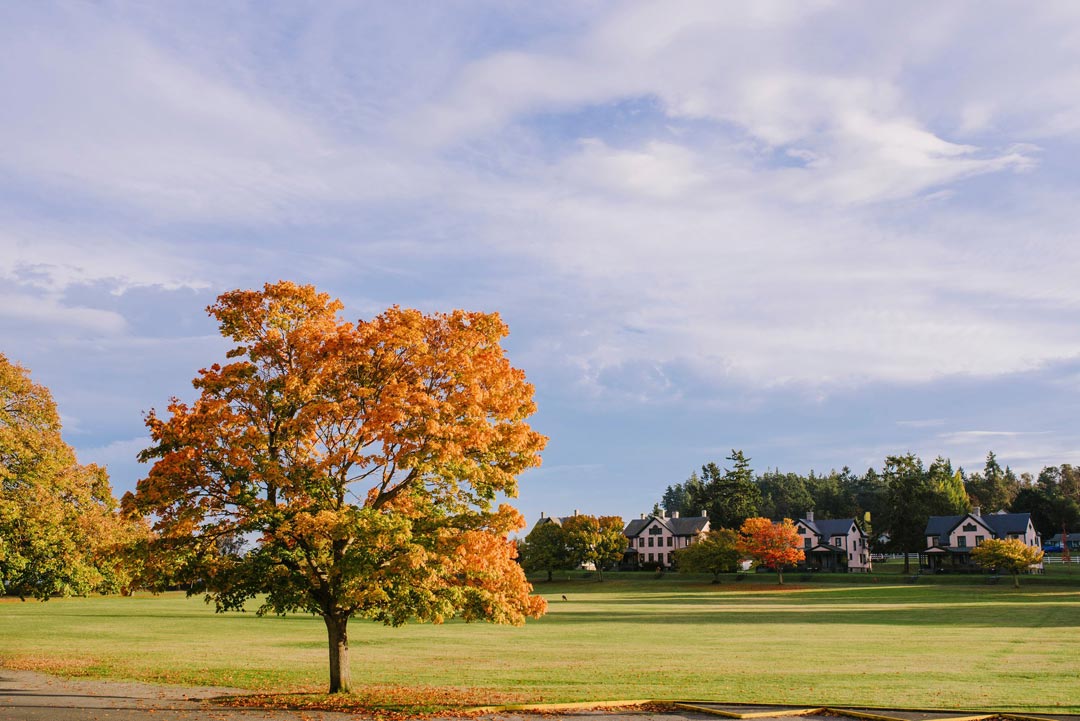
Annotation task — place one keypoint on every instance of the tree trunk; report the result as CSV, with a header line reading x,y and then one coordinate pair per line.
x,y
549,575
779,576
1016,580
340,681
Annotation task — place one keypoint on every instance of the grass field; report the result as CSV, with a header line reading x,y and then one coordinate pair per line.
x,y
876,643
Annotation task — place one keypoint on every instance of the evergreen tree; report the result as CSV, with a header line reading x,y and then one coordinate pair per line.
x,y
730,496
947,486
910,497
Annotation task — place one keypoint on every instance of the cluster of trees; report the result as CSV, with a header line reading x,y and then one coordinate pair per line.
x,y
335,468
894,501
573,542
61,531
772,545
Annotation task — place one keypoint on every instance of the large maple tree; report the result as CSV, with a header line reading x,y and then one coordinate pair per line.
x,y
362,460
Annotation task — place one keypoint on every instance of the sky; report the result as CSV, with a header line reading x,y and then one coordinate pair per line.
x,y
818,232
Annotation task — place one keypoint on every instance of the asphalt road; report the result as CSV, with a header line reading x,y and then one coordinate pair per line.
x,y
30,696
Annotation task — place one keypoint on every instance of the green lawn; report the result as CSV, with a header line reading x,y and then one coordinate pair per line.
x,y
877,643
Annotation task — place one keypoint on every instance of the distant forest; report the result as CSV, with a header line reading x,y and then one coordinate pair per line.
x,y
894,501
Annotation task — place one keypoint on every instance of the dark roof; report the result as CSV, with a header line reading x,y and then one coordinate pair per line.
x,y
835,526
689,526
1004,523
557,520
1000,524
827,527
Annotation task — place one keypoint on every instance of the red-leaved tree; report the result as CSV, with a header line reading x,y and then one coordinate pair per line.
x,y
773,545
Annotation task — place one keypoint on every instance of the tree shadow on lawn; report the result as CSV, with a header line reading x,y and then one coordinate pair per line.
x,y
1066,615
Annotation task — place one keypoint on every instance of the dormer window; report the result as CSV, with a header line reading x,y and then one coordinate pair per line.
x,y
970,528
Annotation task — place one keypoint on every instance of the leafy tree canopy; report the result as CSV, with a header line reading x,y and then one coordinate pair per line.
x,y
772,545
595,540
58,525
1009,554
364,459
717,552
545,549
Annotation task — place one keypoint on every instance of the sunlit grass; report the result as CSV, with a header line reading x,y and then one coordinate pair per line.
x,y
943,646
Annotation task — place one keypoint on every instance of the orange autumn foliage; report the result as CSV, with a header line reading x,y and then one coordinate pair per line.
x,y
773,545
364,459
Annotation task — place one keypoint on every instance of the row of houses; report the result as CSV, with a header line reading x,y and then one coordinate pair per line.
x,y
834,544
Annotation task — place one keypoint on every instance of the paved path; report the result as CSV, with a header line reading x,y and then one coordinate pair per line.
x,y
30,696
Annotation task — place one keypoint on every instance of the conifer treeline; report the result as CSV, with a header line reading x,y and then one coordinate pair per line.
x,y
899,497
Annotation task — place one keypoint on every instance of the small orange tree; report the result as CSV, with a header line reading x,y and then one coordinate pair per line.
x,y
773,545
1011,555
363,459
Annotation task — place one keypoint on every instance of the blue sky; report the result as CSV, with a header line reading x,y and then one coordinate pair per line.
x,y
818,232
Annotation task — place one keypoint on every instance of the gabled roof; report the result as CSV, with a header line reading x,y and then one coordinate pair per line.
x,y
835,526
827,527
998,524
1004,523
826,548
690,526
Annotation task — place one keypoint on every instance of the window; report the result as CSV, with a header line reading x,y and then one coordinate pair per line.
x,y
650,558
961,542
650,544
979,539
669,559
655,531
670,541
807,541
969,527
641,542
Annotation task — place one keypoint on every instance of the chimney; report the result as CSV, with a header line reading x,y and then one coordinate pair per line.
x,y
704,513
977,511
663,513
643,516
575,511
674,514
810,516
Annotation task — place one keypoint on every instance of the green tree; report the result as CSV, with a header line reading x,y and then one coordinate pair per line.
x,y
783,495
995,488
57,517
832,497
597,541
364,460
730,496
1010,555
544,549
910,498
717,552
947,486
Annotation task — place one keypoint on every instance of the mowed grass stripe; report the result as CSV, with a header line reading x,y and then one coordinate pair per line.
x,y
948,646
